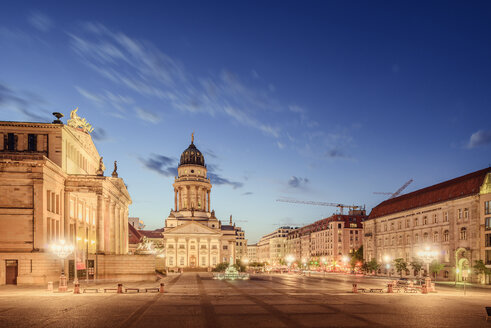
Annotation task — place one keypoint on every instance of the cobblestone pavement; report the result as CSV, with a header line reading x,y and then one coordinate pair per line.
x,y
196,300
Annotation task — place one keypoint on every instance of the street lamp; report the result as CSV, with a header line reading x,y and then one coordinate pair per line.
x,y
62,250
345,260
428,255
387,261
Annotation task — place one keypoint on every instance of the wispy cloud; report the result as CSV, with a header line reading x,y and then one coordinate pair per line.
x,y
216,179
40,21
297,182
108,100
99,134
147,115
25,103
163,165
479,138
247,193
144,69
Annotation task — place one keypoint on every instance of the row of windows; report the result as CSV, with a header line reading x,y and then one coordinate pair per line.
x,y
182,246
487,207
446,235
10,142
425,220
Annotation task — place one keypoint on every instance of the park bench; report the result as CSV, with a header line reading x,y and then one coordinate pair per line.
x,y
151,289
411,290
132,289
95,290
376,290
110,290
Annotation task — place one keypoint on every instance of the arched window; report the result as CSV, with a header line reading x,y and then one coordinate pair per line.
x,y
425,220
425,237
445,235
435,236
445,274
416,222
416,238
408,240
400,240
392,241
463,233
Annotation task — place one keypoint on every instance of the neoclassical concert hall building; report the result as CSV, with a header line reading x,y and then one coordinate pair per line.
x,y
193,236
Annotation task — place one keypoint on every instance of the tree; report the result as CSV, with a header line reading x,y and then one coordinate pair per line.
x,y
401,265
372,265
481,268
220,267
356,257
436,267
416,264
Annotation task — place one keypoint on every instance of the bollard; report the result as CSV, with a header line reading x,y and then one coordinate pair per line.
x,y
355,288
62,287
161,290
76,288
389,288
424,289
50,286
120,288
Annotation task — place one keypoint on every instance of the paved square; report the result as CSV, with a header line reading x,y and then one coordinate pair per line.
x,y
196,300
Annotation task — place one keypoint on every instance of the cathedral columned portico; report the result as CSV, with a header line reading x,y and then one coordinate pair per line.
x,y
193,236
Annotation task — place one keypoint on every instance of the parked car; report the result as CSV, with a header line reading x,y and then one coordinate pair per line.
x,y
402,282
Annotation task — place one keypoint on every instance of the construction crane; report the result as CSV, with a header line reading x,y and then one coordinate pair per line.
x,y
398,192
308,202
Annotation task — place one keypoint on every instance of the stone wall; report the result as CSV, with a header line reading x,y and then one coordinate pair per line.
x,y
126,267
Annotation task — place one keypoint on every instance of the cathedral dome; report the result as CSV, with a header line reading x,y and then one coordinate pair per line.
x,y
192,156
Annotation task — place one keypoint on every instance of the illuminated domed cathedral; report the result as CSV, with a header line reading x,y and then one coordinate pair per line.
x,y
193,236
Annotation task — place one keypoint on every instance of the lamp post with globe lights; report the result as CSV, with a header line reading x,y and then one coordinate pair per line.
x,y
289,260
427,256
345,260
62,250
387,260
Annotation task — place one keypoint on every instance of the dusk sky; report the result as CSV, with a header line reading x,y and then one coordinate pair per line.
x,y
310,100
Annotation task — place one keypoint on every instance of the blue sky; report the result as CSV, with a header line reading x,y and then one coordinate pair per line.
x,y
311,100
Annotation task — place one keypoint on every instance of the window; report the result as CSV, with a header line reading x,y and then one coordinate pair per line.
x,y
416,222
416,238
225,247
435,218
463,233
170,246
445,216
487,223
203,247
400,240
407,223
445,274
425,237
446,235
466,213
487,207
203,261
425,220
408,240
435,236
459,213
181,260
48,200
10,141
214,260
193,247
399,225
392,241
182,247
487,240
385,227
171,261
339,225
392,226
213,246
32,142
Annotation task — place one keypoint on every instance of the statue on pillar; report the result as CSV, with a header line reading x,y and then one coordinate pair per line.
x,y
230,219
115,172
100,170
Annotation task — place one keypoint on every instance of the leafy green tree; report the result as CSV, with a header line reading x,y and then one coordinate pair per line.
x,y
481,268
356,257
417,264
436,267
220,267
401,265
372,265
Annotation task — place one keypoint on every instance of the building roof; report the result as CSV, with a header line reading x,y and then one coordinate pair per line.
x,y
227,227
134,235
152,233
463,186
192,155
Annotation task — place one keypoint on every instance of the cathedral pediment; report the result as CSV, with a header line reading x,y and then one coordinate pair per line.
x,y
192,228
